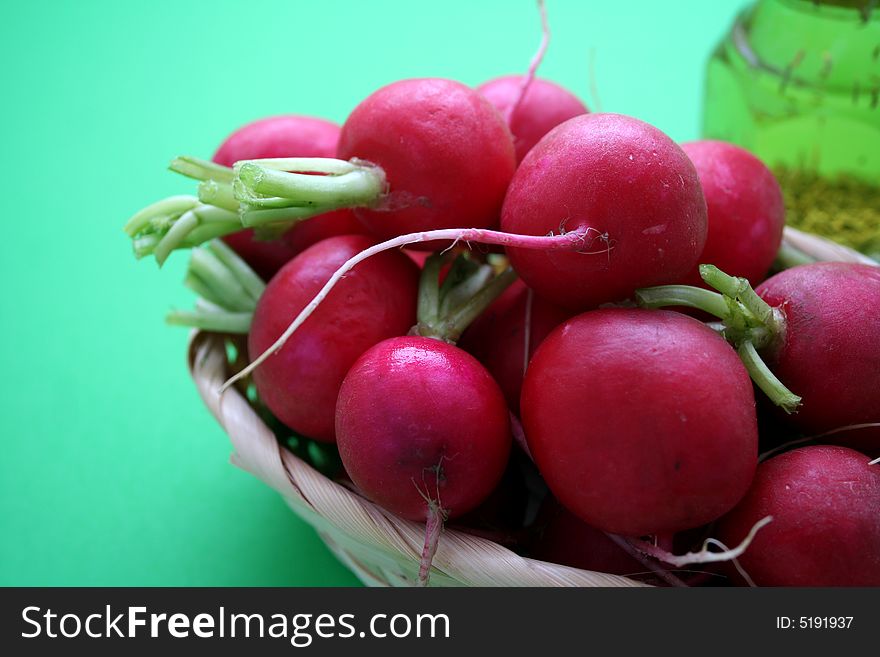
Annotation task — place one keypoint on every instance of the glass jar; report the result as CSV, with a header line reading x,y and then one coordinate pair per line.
x,y
797,82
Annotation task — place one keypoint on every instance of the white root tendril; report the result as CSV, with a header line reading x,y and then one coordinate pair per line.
x,y
535,63
735,561
654,568
573,241
704,555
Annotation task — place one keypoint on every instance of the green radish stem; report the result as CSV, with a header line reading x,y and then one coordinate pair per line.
x,y
209,317
193,167
574,241
218,194
289,183
739,289
177,222
683,295
445,311
748,321
269,195
765,379
228,289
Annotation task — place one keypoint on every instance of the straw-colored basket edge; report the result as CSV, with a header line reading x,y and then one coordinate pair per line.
x,y
380,548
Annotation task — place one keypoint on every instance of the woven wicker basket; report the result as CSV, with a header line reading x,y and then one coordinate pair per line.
x,y
380,548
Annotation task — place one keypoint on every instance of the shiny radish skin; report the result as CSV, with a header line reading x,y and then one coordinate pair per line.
x,y
626,181
543,107
641,421
829,353
287,135
825,531
420,422
375,301
497,338
446,152
746,210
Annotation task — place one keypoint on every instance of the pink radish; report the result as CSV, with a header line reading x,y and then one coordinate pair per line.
x,y
641,422
422,427
746,210
432,411
288,135
627,183
825,529
423,430
544,105
284,136
377,300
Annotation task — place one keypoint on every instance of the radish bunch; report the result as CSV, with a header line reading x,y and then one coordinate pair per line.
x,y
638,430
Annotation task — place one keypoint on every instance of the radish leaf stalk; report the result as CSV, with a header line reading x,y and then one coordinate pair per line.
x,y
749,323
343,185
227,287
446,310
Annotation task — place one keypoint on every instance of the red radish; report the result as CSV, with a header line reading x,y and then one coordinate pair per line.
x,y
508,333
287,135
746,210
641,422
825,529
828,348
423,430
544,105
284,136
434,411
446,153
376,300
625,182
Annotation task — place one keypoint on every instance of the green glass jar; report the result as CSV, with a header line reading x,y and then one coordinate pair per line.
x,y
797,82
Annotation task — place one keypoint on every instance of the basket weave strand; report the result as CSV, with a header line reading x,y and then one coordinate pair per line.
x,y
380,548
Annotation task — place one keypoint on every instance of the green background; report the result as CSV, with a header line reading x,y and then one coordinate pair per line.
x,y
113,473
